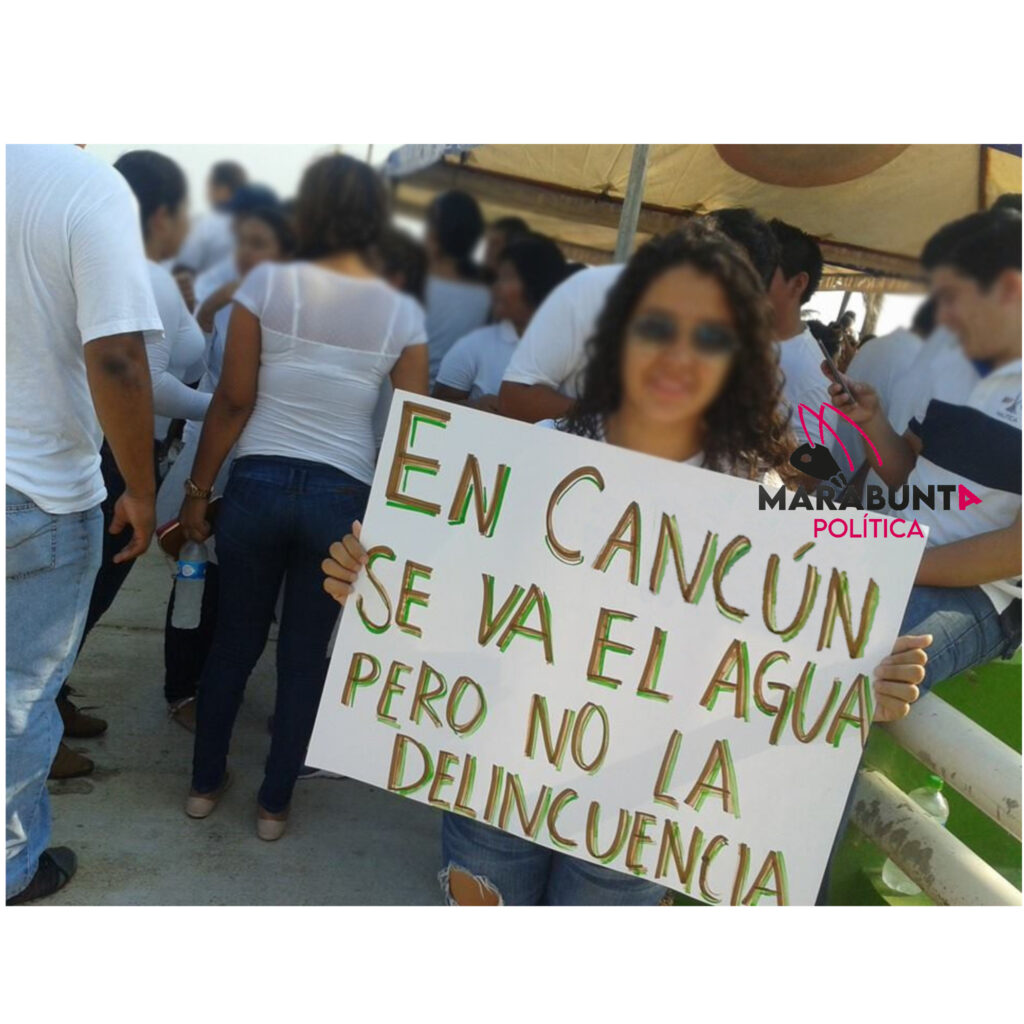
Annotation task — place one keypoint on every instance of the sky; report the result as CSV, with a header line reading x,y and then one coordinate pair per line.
x,y
280,166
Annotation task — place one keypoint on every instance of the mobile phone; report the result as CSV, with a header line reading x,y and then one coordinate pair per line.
x,y
836,375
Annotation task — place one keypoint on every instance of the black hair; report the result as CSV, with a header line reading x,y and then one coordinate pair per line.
x,y
923,323
1008,201
249,197
156,180
458,226
513,228
798,254
826,334
228,174
277,220
746,428
540,265
753,235
342,206
980,246
400,253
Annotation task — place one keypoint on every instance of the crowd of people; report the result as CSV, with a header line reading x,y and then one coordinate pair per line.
x,y
227,380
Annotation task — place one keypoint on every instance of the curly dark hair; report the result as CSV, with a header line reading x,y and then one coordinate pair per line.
x,y
746,431
342,207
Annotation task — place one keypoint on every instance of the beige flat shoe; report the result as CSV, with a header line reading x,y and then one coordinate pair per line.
x,y
270,826
200,805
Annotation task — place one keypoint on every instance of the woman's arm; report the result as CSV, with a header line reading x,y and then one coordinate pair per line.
x,y
229,411
171,397
214,304
412,370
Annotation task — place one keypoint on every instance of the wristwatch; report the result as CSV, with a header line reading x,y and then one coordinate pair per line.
x,y
194,491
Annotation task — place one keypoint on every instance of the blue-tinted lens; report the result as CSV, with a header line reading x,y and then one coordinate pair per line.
x,y
715,340
661,330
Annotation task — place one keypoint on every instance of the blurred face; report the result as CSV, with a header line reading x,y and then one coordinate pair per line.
x,y
509,300
679,348
784,298
166,231
495,242
218,195
255,243
979,317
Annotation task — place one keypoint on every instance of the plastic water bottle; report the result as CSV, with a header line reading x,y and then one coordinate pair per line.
x,y
189,582
930,799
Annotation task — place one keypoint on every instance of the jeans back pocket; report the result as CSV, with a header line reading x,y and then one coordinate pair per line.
x,y
31,541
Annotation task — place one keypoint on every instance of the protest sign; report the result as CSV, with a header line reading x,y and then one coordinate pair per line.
x,y
618,657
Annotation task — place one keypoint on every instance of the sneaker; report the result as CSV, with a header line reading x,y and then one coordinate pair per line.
x,y
56,867
77,724
184,713
69,764
307,771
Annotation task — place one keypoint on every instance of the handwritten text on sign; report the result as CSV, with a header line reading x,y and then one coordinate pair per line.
x,y
612,655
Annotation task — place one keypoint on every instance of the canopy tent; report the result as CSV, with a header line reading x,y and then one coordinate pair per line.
x,y
871,207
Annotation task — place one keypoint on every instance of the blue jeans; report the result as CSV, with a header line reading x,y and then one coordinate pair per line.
x,y
525,874
52,562
277,520
966,628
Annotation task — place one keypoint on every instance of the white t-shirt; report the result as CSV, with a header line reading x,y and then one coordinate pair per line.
x,y
328,340
454,308
175,356
553,349
477,362
210,240
940,370
76,272
803,382
976,443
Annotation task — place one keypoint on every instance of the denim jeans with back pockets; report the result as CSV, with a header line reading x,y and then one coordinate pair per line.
x,y
52,561
277,520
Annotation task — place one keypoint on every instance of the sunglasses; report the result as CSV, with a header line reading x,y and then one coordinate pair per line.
x,y
708,339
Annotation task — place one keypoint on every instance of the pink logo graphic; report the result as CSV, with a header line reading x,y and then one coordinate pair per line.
x,y
823,424
967,497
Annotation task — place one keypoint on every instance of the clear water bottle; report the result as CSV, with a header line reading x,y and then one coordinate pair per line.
x,y
189,582
930,799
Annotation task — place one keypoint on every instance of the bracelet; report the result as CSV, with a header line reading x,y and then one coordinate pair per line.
x,y
192,490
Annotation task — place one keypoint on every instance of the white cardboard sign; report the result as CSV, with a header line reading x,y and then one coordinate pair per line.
x,y
616,656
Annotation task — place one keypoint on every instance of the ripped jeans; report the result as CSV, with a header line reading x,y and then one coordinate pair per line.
x,y
522,873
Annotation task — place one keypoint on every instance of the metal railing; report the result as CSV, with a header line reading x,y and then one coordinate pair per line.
x,y
981,768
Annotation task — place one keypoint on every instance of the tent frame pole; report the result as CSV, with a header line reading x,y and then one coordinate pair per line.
x,y
630,215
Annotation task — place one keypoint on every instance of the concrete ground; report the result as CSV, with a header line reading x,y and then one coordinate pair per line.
x,y
347,843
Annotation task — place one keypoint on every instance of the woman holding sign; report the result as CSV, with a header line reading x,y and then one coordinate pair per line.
x,y
307,348
681,366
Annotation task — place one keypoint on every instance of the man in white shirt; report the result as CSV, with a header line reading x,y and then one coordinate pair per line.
x,y
544,375
968,588
78,300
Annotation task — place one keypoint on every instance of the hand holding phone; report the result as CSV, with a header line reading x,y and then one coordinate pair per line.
x,y
830,369
854,399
